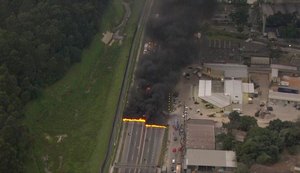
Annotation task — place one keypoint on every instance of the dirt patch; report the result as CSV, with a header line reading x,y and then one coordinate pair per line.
x,y
48,137
107,37
61,137
263,81
287,163
293,81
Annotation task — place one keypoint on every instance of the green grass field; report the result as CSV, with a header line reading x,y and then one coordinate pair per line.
x,y
81,105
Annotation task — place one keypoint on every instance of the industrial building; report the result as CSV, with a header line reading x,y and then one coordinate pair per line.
x,y
238,89
222,71
210,160
235,88
200,150
285,84
203,140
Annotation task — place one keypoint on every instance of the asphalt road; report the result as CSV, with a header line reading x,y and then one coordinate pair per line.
x,y
140,149
133,57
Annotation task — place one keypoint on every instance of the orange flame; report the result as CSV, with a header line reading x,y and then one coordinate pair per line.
x,y
155,126
141,120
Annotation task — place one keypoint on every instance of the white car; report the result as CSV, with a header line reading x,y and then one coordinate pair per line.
x,y
173,161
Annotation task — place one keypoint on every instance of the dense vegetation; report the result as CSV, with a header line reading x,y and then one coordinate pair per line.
x,y
39,40
261,145
288,24
240,16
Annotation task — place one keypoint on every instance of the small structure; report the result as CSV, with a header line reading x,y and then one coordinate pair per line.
x,y
278,68
274,75
107,37
251,2
239,135
248,88
297,168
272,36
263,61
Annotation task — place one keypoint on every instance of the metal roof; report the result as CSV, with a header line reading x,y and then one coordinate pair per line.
x,y
248,87
283,67
204,88
233,88
217,99
284,96
260,60
214,158
200,134
230,70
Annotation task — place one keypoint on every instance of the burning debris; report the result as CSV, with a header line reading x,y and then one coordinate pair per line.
x,y
149,47
158,72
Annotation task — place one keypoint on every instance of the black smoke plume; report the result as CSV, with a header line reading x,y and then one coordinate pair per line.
x,y
158,72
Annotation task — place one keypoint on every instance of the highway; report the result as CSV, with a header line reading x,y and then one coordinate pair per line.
x,y
127,82
140,149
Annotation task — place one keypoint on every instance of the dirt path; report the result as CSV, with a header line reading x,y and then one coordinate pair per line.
x,y
117,33
125,18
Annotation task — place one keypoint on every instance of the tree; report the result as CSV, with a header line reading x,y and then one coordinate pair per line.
x,y
247,123
9,162
234,116
280,19
240,16
227,140
242,168
263,158
259,141
289,31
291,136
277,125
244,123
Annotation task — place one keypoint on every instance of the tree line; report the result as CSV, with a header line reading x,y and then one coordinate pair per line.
x,y
39,41
261,145
288,24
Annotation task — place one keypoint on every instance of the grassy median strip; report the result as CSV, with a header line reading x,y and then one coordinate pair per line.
x,y
164,147
71,121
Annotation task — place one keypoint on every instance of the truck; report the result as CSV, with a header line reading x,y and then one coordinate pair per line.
x,y
288,90
178,168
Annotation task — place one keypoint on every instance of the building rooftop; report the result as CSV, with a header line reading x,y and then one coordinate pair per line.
x,y
284,96
214,158
260,60
204,88
284,67
217,99
248,87
230,70
294,82
200,134
233,88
